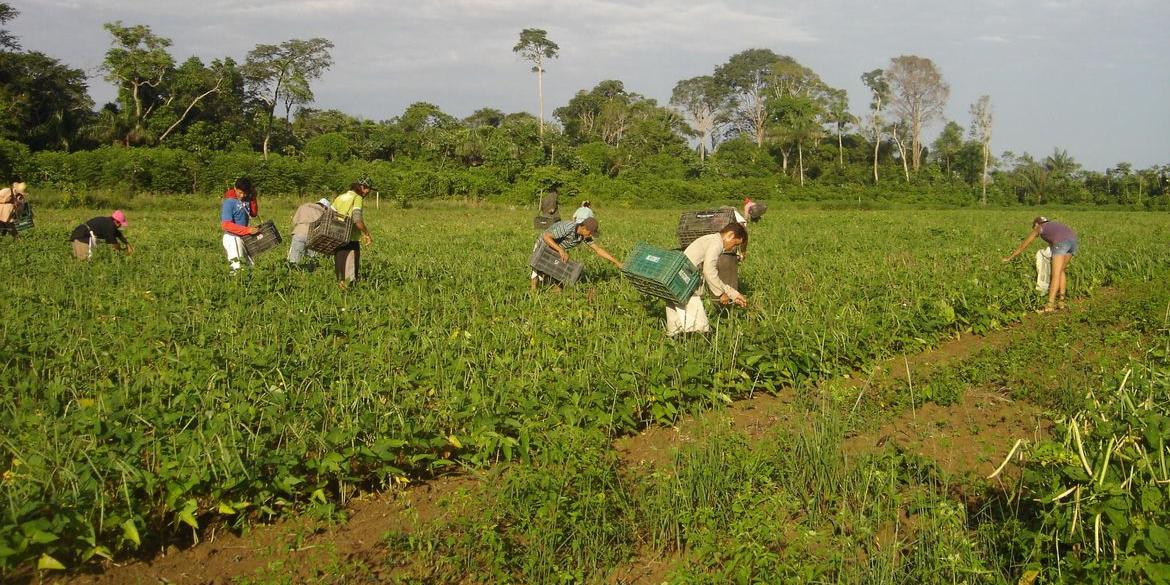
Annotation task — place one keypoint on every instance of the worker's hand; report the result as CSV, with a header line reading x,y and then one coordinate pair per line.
x,y
741,301
616,263
253,230
724,299
367,240
129,249
1007,259
563,254
742,256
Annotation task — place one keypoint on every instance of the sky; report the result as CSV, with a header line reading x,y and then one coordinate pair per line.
x,y
1091,77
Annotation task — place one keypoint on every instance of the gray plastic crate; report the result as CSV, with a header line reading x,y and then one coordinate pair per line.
x,y
546,261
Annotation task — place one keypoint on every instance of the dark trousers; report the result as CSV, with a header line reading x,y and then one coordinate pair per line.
x,y
347,261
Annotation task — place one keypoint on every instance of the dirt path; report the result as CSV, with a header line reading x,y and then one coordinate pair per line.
x,y
963,439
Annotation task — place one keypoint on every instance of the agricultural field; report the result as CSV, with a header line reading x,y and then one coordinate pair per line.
x,y
152,397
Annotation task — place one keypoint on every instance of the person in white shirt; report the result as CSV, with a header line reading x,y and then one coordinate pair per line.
x,y
704,253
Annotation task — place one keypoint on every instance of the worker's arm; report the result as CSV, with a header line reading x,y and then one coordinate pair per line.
x,y
552,243
719,288
361,226
606,255
1023,246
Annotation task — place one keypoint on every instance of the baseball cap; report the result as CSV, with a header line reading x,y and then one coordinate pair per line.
x,y
119,216
1039,219
590,224
324,202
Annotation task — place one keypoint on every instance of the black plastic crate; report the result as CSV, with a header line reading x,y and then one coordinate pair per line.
x,y
542,222
267,239
331,231
756,211
696,224
546,261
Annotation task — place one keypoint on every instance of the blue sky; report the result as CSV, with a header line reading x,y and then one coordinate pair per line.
x,y
1089,76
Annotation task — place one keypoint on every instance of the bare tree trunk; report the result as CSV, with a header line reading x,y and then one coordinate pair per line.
x,y
877,143
540,93
800,159
983,177
901,153
188,110
840,148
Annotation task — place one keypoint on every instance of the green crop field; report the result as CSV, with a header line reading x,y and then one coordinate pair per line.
x,y
150,396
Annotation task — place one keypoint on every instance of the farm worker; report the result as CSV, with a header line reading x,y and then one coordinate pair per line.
x,y
753,209
11,198
728,265
107,229
304,216
566,235
1063,242
347,258
549,206
584,212
704,253
239,205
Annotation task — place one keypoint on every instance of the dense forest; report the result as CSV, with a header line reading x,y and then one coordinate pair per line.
x,y
761,124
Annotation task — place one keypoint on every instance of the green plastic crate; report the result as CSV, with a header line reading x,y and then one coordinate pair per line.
x,y
666,274
24,218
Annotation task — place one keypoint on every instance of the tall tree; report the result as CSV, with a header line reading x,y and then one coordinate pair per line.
x,y
982,119
8,41
946,147
704,103
879,90
535,47
919,95
837,114
137,63
745,75
280,74
43,103
796,100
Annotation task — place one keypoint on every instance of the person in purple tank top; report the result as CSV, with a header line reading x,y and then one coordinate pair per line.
x,y
1063,242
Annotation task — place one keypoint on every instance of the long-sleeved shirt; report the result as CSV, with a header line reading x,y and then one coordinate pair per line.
x,y
104,229
233,217
305,215
7,204
704,254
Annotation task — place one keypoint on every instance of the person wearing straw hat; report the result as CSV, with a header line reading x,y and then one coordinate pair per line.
x,y
1063,243
239,205
566,235
704,253
304,217
108,229
11,198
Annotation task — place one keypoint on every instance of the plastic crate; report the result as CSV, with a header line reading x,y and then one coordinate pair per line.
x,y
696,224
666,274
546,261
24,218
267,239
331,231
542,222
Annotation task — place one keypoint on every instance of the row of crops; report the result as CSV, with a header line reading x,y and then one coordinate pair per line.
x,y
148,397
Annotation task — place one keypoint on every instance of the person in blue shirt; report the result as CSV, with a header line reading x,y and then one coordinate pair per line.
x,y
239,205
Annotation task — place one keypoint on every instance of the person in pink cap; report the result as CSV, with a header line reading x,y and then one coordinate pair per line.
x,y
108,229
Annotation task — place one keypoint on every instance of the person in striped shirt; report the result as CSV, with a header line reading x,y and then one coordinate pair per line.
x,y
566,235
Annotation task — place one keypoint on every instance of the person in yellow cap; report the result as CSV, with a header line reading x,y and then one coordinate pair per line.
x,y
1063,243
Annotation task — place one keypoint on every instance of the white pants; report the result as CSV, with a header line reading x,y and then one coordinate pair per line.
x,y
689,319
1043,269
234,246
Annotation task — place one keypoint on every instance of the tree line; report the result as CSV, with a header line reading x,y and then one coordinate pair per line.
x,y
760,124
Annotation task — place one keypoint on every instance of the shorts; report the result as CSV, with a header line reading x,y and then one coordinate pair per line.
x,y
1065,248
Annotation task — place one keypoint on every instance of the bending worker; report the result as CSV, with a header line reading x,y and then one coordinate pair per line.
x,y
1063,242
704,253
566,235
